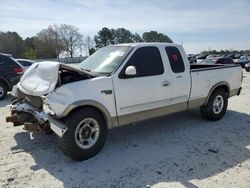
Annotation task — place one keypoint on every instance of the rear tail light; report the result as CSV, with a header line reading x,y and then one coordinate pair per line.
x,y
19,70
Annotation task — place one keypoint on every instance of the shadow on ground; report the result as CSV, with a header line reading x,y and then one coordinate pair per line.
x,y
174,148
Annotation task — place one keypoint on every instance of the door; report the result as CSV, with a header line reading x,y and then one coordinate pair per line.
x,y
149,89
181,75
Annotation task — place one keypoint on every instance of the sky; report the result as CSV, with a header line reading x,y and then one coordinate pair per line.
x,y
197,24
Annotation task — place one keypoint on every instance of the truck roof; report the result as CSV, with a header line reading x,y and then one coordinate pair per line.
x,y
148,44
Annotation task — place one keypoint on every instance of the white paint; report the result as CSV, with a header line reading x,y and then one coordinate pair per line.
x,y
40,78
129,95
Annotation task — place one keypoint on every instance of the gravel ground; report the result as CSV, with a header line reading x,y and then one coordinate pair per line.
x,y
179,150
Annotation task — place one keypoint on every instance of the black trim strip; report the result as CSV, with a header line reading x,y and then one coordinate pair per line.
x,y
212,68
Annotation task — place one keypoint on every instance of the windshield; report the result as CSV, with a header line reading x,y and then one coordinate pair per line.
x,y
106,59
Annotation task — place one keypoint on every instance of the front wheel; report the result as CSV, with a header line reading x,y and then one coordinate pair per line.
x,y
216,106
3,90
86,134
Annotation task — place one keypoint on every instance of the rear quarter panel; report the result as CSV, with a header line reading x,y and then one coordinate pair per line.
x,y
204,80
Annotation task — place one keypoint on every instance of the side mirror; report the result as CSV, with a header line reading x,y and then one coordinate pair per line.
x,y
130,71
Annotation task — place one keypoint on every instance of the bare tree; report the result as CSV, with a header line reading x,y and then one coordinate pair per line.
x,y
48,43
57,40
44,44
71,38
89,43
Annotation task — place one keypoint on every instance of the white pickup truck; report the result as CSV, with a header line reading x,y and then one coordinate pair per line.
x,y
118,85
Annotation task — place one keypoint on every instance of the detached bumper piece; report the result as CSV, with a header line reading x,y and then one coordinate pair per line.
x,y
29,122
35,120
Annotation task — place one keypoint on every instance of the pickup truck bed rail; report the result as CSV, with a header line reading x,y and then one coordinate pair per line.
x,y
204,67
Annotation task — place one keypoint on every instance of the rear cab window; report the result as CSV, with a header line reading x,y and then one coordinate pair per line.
x,y
147,61
175,59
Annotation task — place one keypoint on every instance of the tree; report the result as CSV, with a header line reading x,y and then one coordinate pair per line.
x,y
71,38
154,36
104,37
91,51
89,44
48,43
58,41
122,35
11,43
30,53
108,36
29,42
137,38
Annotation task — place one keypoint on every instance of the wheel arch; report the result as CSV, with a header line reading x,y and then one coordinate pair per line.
x,y
223,85
94,104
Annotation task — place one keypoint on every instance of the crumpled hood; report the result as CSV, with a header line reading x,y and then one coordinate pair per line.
x,y
40,78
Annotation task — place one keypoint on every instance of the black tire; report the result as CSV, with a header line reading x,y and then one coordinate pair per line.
x,y
68,143
207,110
3,90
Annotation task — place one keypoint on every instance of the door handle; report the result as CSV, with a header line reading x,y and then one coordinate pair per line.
x,y
180,76
165,83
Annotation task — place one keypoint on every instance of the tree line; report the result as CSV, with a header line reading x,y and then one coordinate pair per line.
x,y
66,40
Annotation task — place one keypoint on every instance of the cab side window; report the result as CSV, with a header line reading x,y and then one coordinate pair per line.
x,y
175,59
147,61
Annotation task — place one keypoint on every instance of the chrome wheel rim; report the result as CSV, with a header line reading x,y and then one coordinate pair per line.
x,y
218,104
1,91
87,133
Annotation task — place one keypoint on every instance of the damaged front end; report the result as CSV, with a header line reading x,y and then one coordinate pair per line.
x,y
34,120
35,115
29,107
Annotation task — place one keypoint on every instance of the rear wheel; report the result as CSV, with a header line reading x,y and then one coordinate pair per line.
x,y
3,90
86,134
216,106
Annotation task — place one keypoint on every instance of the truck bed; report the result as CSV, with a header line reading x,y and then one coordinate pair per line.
x,y
204,77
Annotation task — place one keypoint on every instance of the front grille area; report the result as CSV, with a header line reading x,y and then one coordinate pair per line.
x,y
32,100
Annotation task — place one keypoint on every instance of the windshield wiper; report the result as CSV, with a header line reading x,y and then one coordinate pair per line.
x,y
88,72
